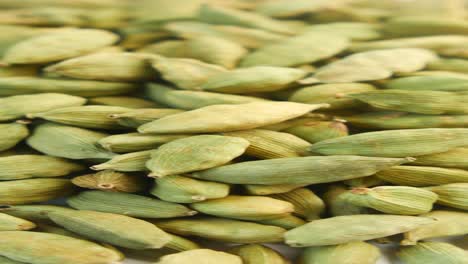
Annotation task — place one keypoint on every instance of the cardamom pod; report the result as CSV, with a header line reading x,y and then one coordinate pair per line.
x,y
17,167
68,142
181,189
108,180
29,247
119,230
343,229
127,204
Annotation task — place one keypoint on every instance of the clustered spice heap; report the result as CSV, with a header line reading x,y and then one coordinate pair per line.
x,y
321,125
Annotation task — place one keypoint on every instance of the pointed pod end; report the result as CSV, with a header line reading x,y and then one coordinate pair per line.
x,y
408,242
101,166
191,213
155,175
410,159
23,121
198,198
360,190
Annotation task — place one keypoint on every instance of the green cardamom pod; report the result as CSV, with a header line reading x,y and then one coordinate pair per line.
x,y
352,252
422,176
244,207
394,143
304,170
181,189
133,161
12,223
108,180
194,153
34,190
449,223
91,116
343,229
258,254
225,230
68,142
453,195
267,144
433,253
119,230
65,249
17,167
199,256
127,204
14,107
11,134
398,200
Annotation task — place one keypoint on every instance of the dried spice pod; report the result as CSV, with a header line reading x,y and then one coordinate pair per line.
x,y
304,170
229,16
245,207
374,65
59,45
316,131
449,223
398,143
454,158
14,107
287,222
131,142
68,142
432,253
34,85
247,37
110,228
445,83
11,134
200,256
133,161
187,74
344,229
34,190
453,195
225,230
113,181
258,254
181,189
11,223
102,66
17,167
138,117
333,94
267,144
305,48
189,100
194,153
253,79
358,252
387,120
90,116
214,118
306,204
420,176
398,200
29,247
34,213
127,204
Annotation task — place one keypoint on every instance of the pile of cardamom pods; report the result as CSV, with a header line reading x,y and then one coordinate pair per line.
x,y
149,129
